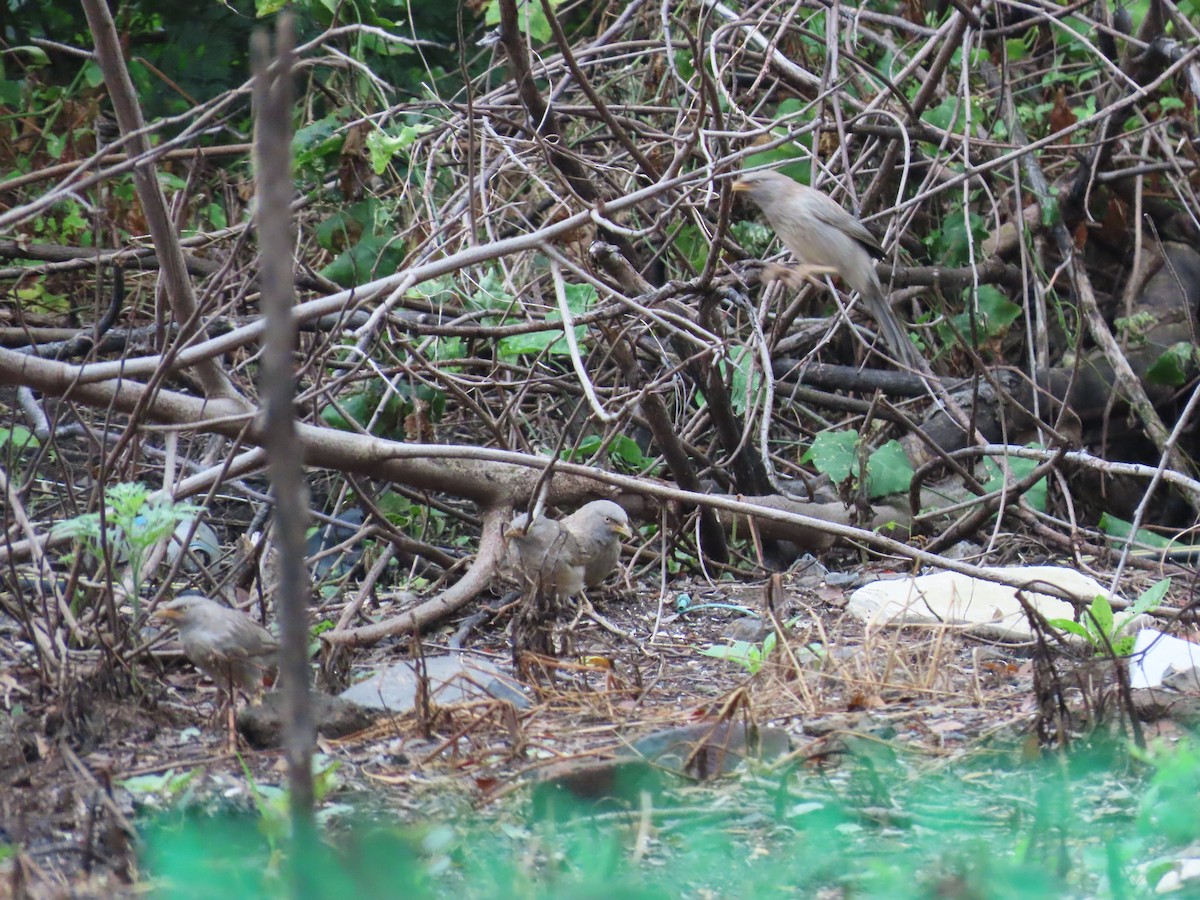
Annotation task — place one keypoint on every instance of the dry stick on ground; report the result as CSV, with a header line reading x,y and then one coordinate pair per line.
x,y
272,146
474,580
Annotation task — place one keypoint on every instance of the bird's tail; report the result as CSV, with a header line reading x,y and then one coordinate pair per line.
x,y
894,334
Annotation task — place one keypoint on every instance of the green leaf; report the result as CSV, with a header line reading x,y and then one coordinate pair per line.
x,y
622,450
20,437
745,380
685,63
793,159
36,298
1123,645
1121,530
1051,212
317,141
1070,626
1149,599
950,245
35,56
382,145
625,450
551,342
384,410
692,245
745,654
374,256
768,644
889,470
530,16
833,453
580,298
1016,49
492,294
946,115
994,313
1175,366
756,238
92,74
1020,467
1101,616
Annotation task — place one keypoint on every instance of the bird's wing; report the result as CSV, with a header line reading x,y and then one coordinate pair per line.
x,y
829,212
238,630
589,530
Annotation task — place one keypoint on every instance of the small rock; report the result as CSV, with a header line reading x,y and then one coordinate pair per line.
x,y
808,572
751,629
1156,655
711,748
986,608
1185,873
829,724
1186,680
574,789
262,725
453,678
963,550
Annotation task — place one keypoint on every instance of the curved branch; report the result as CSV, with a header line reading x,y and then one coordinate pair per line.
x,y
466,589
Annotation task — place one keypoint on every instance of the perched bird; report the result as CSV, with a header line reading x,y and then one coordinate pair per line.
x,y
598,527
225,644
827,240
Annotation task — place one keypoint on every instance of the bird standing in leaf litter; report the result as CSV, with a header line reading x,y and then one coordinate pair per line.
x,y
225,644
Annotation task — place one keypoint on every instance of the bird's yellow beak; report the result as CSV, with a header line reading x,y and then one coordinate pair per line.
x,y
623,530
163,613
740,185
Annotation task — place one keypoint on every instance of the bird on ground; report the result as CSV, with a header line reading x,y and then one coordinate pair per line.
x,y
827,240
564,557
543,557
225,644
598,528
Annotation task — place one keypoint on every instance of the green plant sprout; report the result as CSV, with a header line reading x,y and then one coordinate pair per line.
x,y
748,655
751,656
162,789
135,521
274,803
1100,628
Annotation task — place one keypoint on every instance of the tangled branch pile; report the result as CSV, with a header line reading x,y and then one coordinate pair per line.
x,y
539,258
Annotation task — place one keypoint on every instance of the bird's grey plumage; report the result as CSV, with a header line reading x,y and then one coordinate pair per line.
x,y
225,644
563,557
820,234
598,528
543,557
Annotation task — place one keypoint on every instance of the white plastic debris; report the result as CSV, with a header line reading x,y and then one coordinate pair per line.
x,y
975,605
1157,655
1183,874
